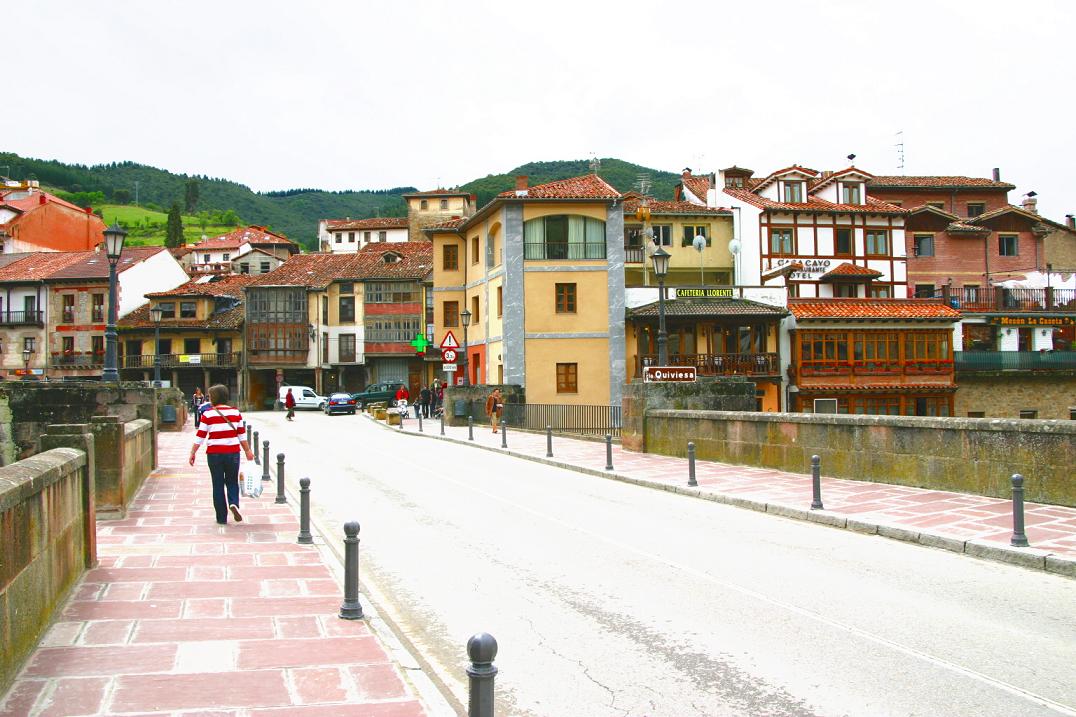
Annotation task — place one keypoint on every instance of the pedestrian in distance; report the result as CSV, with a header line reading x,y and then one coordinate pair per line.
x,y
223,432
196,401
402,396
494,408
424,397
289,403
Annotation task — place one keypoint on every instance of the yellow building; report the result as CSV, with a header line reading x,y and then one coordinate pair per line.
x,y
540,271
201,335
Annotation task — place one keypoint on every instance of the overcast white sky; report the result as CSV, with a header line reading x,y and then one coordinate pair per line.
x,y
355,95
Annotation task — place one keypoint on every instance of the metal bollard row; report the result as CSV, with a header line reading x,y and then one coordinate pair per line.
x,y
265,460
351,608
254,447
280,497
305,538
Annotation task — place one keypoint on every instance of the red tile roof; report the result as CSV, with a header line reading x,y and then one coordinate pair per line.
x,y
698,186
965,228
828,177
39,265
438,193
936,182
227,286
229,319
844,269
253,235
815,204
885,309
449,224
28,201
780,172
371,223
589,186
310,270
317,271
414,260
658,207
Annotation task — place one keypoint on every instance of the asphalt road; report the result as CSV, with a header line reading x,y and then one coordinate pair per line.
x,y
612,599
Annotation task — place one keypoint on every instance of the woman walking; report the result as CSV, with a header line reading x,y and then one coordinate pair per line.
x,y
196,401
223,432
494,408
289,403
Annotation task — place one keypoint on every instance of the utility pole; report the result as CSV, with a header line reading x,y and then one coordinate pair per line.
x,y
136,192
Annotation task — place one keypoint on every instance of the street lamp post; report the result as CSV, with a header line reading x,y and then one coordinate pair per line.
x,y
661,268
156,314
465,319
114,237
26,354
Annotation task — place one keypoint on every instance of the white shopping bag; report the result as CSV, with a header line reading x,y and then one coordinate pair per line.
x,y
250,479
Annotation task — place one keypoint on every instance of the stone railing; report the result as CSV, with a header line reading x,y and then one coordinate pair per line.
x,y
969,455
124,457
47,529
138,460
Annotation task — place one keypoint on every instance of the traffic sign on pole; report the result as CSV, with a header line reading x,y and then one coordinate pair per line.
x,y
449,342
449,355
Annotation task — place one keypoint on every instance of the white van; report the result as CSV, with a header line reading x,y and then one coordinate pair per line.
x,y
305,397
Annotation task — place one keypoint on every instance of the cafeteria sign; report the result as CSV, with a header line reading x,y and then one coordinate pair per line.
x,y
705,293
669,374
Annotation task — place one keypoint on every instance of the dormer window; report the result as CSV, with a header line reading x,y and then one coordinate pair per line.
x,y
793,192
734,182
852,193
390,257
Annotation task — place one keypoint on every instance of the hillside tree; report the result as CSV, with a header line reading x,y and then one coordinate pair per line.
x,y
174,232
191,195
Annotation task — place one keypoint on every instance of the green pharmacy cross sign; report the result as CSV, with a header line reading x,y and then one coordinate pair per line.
x,y
420,343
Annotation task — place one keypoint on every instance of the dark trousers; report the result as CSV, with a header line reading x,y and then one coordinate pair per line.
x,y
224,470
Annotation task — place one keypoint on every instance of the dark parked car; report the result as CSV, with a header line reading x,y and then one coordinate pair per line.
x,y
340,403
384,392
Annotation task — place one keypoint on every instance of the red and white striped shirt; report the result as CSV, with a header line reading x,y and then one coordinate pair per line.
x,y
215,432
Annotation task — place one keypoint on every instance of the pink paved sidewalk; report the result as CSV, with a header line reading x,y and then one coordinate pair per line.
x,y
185,615
908,513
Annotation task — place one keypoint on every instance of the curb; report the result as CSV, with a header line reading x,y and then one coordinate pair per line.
x,y
1033,558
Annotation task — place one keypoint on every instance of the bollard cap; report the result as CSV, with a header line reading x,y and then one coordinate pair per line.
x,y
482,648
266,443
351,528
280,457
1017,480
691,444
304,482
815,460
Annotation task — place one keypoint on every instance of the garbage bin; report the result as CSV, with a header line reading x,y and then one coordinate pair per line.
x,y
168,413
459,407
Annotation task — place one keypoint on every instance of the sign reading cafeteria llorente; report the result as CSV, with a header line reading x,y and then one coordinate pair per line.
x,y
705,293
669,374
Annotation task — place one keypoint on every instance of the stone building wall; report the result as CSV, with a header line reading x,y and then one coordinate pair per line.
x,y
1005,395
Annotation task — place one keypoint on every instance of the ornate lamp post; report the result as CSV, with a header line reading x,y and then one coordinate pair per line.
x,y
156,314
465,319
114,237
26,354
661,269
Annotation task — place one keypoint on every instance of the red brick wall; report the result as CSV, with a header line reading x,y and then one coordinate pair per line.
x,y
956,202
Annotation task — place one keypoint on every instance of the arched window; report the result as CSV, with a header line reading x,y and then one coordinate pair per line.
x,y
564,236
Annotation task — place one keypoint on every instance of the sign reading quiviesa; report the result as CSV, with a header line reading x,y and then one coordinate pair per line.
x,y
669,374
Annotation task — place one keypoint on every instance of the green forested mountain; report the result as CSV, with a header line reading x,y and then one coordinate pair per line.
x,y
294,212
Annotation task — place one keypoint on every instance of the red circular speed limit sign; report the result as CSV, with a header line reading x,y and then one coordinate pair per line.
x,y
449,355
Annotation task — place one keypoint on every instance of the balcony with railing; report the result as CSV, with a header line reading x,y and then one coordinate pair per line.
x,y
999,299
22,318
763,364
211,360
634,255
1015,360
77,359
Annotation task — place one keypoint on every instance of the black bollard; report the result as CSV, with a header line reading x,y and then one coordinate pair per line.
x,y
442,423
504,433
549,441
1019,538
470,428
420,422
350,609
481,649
816,483
280,497
305,538
691,465
608,452
254,447
248,434
265,461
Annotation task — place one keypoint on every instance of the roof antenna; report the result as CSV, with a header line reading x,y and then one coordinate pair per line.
x,y
595,163
900,151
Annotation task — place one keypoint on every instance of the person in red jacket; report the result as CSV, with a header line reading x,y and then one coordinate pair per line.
x,y
289,403
402,397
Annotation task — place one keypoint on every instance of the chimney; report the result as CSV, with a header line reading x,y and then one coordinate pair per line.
x,y
89,210
997,174
1070,221
521,183
41,199
1030,204
686,173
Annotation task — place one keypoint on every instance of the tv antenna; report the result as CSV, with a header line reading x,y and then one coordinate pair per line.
x,y
595,163
900,151
642,181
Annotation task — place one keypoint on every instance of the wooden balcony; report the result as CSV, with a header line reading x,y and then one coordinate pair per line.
x,y
213,360
997,299
77,359
765,364
22,318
